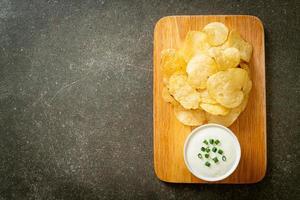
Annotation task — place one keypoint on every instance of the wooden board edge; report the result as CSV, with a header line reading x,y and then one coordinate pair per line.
x,y
259,21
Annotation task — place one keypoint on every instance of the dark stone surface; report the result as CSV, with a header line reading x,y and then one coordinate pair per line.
x,y
76,99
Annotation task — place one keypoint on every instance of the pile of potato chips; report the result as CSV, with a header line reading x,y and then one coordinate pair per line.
x,y
208,78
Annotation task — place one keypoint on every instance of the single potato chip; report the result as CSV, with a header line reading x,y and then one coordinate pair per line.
x,y
245,48
217,33
214,109
240,76
171,62
206,98
230,58
167,97
189,117
227,86
199,69
195,42
225,58
230,118
187,96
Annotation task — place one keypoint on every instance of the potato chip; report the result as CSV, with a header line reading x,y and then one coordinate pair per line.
x,y
247,86
214,52
225,58
208,79
243,105
245,66
189,117
206,98
245,48
187,96
228,119
227,86
217,33
215,109
199,69
241,76
195,42
171,62
167,97
230,58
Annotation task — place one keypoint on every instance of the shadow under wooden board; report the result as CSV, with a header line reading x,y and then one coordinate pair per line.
x,y
250,127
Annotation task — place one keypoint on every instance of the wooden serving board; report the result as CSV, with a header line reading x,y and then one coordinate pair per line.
x,y
250,128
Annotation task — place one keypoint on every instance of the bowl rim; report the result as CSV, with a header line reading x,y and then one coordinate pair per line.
x,y
238,150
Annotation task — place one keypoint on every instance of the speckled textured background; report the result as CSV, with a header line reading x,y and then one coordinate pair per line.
x,y
76,99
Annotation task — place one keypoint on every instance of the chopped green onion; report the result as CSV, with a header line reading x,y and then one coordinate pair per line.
x,y
211,141
217,142
205,142
224,158
203,149
215,159
207,164
206,155
220,151
207,150
199,155
214,149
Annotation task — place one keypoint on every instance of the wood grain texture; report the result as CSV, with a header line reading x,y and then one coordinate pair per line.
x,y
250,128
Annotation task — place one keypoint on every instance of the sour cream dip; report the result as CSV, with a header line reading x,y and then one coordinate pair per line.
x,y
212,152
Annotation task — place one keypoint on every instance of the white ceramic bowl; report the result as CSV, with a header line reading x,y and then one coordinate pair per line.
x,y
200,130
